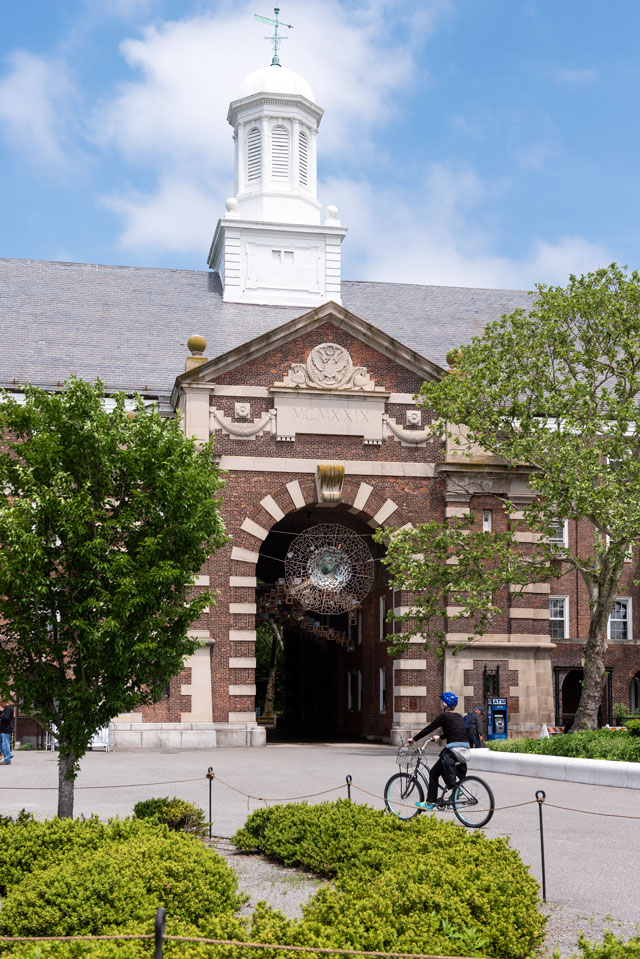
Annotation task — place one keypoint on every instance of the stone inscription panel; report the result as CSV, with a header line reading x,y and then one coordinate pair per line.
x,y
329,415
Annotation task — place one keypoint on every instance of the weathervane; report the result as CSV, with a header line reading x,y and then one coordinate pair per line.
x,y
275,62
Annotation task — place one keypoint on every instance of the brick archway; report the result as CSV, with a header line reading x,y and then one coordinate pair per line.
x,y
358,496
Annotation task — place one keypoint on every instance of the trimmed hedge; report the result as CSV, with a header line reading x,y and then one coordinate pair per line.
x,y
75,877
619,745
424,886
177,814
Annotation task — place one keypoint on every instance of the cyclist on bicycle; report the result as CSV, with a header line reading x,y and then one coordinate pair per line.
x,y
454,731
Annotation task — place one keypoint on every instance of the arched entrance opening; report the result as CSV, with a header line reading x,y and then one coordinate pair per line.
x,y
568,692
332,675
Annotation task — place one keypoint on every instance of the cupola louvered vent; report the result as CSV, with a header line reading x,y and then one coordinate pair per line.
x,y
280,153
303,156
254,155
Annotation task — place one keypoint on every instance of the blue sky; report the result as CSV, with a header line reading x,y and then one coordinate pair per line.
x,y
488,143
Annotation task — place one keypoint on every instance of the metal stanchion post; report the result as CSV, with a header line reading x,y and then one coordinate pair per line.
x,y
540,797
161,921
210,776
349,780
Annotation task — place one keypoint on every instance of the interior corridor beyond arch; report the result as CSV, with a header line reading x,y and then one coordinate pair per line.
x,y
333,672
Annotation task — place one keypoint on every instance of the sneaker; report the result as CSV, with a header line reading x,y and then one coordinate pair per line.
x,y
425,805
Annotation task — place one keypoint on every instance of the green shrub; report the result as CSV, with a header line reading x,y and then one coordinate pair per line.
x,y
219,927
178,814
424,886
633,727
19,820
112,877
612,744
610,948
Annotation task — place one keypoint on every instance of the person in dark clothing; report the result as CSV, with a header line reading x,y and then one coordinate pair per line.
x,y
6,728
473,723
454,731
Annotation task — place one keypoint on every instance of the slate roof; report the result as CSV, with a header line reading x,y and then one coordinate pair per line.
x,y
129,325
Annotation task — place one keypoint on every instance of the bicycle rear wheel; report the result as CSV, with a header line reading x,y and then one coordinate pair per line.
x,y
401,794
473,802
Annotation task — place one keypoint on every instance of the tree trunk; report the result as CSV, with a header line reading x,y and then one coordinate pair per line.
x,y
66,783
270,694
593,674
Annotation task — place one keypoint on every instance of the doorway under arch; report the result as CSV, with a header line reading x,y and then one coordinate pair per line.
x,y
333,672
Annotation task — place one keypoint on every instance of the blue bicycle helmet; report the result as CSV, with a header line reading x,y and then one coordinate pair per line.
x,y
450,700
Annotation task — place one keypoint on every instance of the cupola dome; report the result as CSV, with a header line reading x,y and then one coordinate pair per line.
x,y
275,79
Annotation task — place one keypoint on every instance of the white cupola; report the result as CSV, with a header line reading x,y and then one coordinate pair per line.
x,y
272,246
275,124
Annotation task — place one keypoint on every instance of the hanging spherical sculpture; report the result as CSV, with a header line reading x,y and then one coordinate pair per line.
x,y
328,569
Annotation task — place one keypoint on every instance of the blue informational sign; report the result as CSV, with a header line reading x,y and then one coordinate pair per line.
x,y
497,727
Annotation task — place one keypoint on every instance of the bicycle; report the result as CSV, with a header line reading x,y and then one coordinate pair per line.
x,y
470,797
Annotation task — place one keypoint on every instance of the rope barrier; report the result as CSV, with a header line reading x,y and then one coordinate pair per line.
x,y
323,950
165,782
528,802
323,792
592,812
264,799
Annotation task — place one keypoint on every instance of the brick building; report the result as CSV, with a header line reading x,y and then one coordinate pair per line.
x,y
307,382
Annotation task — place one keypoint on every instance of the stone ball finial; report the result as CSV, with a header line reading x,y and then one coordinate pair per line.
x,y
333,215
453,357
197,345
231,205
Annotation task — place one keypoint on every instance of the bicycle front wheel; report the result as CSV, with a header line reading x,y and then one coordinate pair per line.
x,y
473,802
401,794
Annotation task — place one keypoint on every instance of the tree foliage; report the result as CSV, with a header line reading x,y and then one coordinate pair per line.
x,y
105,520
554,391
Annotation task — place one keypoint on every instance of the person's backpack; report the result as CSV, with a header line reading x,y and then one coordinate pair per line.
x,y
467,721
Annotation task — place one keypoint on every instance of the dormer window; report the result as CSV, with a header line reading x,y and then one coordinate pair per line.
x,y
280,153
254,154
303,158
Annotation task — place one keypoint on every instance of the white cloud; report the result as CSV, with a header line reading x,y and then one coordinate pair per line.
x,y
35,96
568,77
437,235
172,117
179,217
189,70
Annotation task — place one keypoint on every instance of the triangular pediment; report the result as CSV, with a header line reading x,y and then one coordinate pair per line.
x,y
343,319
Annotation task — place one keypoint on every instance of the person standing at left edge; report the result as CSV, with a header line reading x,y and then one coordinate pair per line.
x,y
6,728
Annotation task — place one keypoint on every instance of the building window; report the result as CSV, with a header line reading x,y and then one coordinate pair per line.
x,y
383,690
487,521
382,625
280,153
634,694
559,532
620,620
303,159
254,154
559,617
354,690
282,257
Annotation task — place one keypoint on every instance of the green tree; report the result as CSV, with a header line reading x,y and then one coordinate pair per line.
x,y
106,518
557,389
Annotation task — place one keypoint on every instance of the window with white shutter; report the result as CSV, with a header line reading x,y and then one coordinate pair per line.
x,y
280,153
254,154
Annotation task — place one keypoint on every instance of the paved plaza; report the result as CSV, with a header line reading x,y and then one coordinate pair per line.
x,y
590,859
